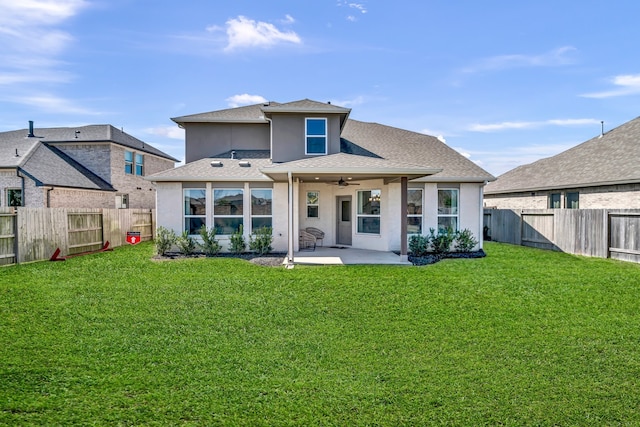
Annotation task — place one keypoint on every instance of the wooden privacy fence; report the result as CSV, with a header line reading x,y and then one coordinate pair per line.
x,y
592,232
33,234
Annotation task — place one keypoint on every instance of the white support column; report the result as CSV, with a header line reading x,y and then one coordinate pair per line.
x,y
290,244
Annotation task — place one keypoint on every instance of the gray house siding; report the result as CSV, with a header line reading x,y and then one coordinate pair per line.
x,y
210,139
289,136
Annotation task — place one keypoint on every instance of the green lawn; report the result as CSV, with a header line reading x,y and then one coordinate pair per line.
x,y
521,337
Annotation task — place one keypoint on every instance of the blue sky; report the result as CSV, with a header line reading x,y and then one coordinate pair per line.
x,y
505,83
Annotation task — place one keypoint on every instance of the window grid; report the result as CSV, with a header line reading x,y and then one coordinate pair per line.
x,y
414,211
368,213
448,209
315,136
195,209
261,208
313,204
228,208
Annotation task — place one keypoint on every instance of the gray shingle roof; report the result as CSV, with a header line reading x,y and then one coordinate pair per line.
x,y
305,106
228,170
613,158
50,167
247,114
411,147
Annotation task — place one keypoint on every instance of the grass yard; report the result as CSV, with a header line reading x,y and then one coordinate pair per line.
x,y
521,337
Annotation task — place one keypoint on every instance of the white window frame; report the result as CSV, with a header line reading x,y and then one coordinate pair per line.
x,y
360,214
186,215
307,136
270,216
449,215
317,204
420,215
240,216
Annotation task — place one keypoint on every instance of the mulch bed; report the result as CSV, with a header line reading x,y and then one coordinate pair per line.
x,y
433,258
274,259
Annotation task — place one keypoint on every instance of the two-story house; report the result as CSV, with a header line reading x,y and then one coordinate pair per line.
x,y
96,166
306,164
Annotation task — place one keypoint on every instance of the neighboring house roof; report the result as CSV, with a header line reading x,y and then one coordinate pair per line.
x,y
49,166
613,158
365,148
17,139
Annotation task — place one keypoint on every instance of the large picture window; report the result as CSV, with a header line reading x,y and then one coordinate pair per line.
x,y
195,209
448,209
227,210
368,214
261,208
313,204
414,211
316,136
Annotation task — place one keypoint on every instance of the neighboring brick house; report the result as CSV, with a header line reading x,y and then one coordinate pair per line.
x,y
305,164
96,166
601,173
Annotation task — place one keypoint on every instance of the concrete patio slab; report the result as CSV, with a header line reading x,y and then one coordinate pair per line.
x,y
345,256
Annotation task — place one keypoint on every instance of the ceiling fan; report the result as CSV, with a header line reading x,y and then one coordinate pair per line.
x,y
342,183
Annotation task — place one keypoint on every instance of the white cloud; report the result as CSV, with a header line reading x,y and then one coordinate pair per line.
x,y
54,104
358,100
556,57
628,84
358,6
243,32
244,99
173,132
31,43
496,127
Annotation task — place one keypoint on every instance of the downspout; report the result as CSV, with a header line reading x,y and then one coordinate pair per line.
x,y
290,244
481,231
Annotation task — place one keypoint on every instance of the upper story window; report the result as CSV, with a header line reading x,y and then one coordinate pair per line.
x,y
554,201
139,164
128,162
315,136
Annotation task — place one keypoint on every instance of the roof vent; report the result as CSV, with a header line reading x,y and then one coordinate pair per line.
x,y
244,163
216,163
17,155
601,128
77,133
30,135
233,154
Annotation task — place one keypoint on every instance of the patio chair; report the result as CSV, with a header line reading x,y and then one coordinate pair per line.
x,y
307,241
318,234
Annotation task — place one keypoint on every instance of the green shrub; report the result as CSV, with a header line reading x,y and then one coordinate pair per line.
x,y
442,242
419,245
237,244
209,245
165,238
464,241
186,243
262,241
